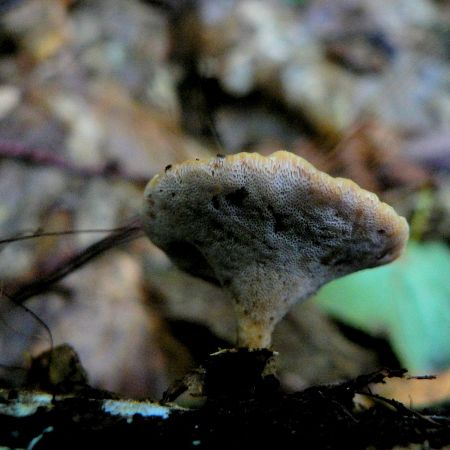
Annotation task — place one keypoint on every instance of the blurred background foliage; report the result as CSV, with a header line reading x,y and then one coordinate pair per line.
x,y
96,96
407,301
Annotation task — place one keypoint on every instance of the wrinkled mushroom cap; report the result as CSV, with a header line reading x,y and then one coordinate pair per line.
x,y
270,230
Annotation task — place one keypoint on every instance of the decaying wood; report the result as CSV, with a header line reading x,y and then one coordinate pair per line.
x,y
344,415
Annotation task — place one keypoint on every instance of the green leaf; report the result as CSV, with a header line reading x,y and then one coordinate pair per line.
x,y
408,301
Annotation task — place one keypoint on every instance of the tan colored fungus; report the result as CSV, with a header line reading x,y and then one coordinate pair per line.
x,y
270,230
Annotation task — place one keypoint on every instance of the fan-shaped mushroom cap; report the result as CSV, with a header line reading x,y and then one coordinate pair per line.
x,y
270,230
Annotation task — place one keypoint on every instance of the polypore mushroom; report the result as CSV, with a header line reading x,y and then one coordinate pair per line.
x,y
269,230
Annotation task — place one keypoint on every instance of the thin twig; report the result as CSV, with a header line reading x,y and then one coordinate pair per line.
x,y
121,236
38,234
35,316
40,157
399,407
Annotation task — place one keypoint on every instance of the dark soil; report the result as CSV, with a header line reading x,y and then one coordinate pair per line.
x,y
244,408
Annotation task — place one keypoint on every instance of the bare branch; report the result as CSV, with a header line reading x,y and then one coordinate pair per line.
x,y
38,234
41,157
131,231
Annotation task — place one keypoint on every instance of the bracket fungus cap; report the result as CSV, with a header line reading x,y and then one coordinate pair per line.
x,y
271,230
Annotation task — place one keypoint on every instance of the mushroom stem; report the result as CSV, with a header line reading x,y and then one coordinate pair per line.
x,y
261,298
254,334
255,327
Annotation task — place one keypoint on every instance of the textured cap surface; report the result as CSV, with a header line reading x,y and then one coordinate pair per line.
x,y
271,230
